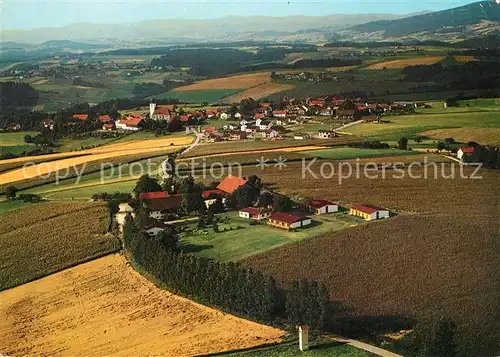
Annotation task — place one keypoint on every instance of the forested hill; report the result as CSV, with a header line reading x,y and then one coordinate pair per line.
x,y
456,17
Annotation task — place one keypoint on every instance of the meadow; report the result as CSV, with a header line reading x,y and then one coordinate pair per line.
x,y
104,307
258,92
238,239
42,238
198,96
352,153
412,125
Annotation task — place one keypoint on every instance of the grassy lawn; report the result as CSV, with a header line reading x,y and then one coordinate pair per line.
x,y
14,142
352,153
318,348
236,244
411,125
6,206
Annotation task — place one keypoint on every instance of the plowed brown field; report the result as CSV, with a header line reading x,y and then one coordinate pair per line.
x,y
260,91
439,257
105,308
234,82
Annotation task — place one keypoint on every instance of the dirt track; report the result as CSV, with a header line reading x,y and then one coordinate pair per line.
x,y
105,308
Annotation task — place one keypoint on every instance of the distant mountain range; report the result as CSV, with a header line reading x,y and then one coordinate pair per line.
x,y
183,30
476,20
472,20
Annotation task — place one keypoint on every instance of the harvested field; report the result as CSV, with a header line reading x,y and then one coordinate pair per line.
x,y
241,81
438,257
260,91
102,154
105,308
485,136
214,149
42,238
341,69
402,63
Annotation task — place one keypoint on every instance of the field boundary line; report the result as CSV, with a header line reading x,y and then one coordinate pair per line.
x,y
363,346
72,265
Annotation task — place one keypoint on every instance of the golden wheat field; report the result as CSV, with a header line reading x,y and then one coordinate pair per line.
x,y
100,154
402,63
232,82
260,91
105,308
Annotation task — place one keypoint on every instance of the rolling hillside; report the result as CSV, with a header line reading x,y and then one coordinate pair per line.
x,y
480,18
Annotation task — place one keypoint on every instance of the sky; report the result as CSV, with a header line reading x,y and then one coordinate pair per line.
x,y
29,14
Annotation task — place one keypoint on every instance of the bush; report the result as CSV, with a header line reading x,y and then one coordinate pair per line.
x,y
10,192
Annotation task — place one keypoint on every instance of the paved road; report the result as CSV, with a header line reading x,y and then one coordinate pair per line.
x,y
363,346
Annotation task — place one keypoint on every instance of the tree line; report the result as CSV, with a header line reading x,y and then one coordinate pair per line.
x,y
228,286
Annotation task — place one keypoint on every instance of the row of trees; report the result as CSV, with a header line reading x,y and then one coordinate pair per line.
x,y
228,286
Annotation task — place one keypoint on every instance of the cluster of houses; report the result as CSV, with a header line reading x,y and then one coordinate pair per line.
x,y
161,207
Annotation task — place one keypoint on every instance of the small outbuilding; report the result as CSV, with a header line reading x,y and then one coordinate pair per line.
x,y
323,206
369,212
256,213
288,220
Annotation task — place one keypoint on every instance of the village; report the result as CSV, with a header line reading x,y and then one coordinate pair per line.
x,y
239,200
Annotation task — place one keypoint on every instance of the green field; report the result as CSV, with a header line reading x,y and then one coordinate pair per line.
x,y
6,206
352,153
237,244
411,125
317,348
14,142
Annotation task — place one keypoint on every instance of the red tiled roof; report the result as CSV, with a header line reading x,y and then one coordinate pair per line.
x,y
80,116
211,112
259,115
104,117
279,112
163,110
153,195
287,217
164,203
368,208
131,122
209,130
321,203
184,117
231,183
265,104
207,193
467,149
135,115
251,210
317,102
107,126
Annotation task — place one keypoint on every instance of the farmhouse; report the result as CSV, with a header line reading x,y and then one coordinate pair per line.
x,y
279,113
108,126
323,206
254,213
346,114
153,195
230,184
464,151
155,228
369,212
104,118
132,124
326,134
159,208
370,118
288,220
80,116
159,113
